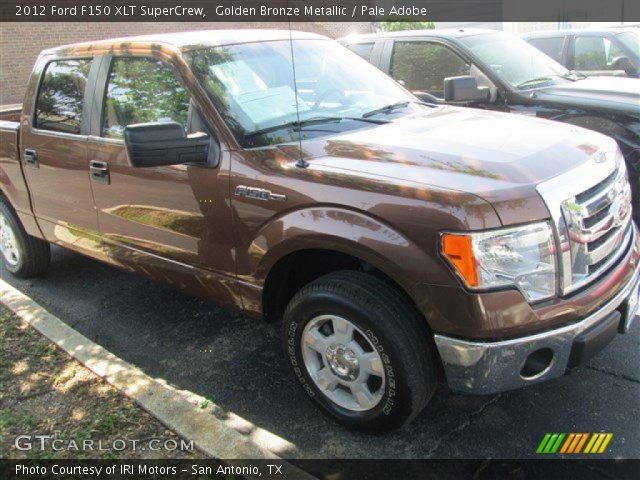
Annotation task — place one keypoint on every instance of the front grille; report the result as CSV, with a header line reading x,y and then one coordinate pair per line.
x,y
598,228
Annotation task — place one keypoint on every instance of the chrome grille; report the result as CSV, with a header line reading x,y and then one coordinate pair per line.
x,y
598,223
591,211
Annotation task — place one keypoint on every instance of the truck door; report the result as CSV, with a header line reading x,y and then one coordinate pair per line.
x,y
169,221
54,136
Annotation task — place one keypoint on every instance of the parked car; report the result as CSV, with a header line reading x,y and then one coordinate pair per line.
x,y
497,71
395,241
603,51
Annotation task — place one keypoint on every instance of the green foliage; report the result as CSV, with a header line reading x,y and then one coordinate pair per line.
x,y
109,423
397,26
6,419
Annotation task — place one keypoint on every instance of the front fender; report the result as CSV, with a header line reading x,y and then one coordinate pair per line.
x,y
347,231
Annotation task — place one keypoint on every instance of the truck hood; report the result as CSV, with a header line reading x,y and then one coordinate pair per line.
x,y
617,94
498,157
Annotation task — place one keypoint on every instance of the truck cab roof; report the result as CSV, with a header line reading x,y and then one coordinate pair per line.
x,y
436,33
603,31
188,40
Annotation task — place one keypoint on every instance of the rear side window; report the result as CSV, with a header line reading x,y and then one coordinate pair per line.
x,y
550,46
59,102
362,49
141,90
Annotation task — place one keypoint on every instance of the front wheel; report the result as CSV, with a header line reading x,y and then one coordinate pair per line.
x,y
360,351
23,255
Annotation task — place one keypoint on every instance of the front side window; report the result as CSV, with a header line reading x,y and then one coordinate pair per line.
x,y
59,102
551,46
141,90
515,61
595,53
423,66
252,86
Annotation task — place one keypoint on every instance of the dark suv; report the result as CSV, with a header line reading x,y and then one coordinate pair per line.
x,y
497,71
604,51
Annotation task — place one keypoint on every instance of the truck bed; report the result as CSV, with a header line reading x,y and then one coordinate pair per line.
x,y
11,112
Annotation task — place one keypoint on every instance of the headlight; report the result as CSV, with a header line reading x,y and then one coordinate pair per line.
x,y
522,257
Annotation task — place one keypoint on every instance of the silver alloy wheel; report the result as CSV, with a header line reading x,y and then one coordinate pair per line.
x,y
8,244
343,363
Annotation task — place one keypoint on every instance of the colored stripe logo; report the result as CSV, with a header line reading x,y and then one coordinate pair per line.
x,y
574,443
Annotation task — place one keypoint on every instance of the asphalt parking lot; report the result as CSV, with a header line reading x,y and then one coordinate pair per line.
x,y
237,363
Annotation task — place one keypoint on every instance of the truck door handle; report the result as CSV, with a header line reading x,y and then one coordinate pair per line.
x,y
99,172
31,158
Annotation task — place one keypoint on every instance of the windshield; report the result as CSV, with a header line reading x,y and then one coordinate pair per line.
x,y
515,61
252,86
631,40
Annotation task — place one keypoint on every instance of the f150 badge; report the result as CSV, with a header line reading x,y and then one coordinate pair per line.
x,y
259,193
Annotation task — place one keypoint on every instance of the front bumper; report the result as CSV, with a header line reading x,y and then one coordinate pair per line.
x,y
492,367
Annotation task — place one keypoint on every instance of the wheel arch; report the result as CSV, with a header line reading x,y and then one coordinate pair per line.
x,y
296,251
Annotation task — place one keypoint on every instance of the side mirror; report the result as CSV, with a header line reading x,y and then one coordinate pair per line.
x,y
464,89
158,144
623,63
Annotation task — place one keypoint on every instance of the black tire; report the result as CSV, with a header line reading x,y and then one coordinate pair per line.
x,y
390,322
34,254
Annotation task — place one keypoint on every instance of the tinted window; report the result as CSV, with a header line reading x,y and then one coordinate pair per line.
x,y
59,103
595,53
362,49
424,66
631,40
142,90
515,61
550,46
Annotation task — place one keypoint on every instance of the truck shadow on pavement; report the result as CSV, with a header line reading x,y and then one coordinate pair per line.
x,y
237,363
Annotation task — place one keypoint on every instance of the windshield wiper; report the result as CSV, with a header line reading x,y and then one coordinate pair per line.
x,y
578,75
386,109
297,125
536,80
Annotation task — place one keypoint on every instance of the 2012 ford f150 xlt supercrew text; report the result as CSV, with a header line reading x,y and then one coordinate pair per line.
x,y
278,173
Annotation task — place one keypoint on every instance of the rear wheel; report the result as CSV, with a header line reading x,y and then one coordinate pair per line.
x,y
23,255
360,351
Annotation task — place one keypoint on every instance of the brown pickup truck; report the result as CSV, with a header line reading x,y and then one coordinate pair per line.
x,y
399,244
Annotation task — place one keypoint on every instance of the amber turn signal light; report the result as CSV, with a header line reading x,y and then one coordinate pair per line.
x,y
458,249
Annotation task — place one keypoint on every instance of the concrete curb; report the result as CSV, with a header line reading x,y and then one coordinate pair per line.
x,y
219,434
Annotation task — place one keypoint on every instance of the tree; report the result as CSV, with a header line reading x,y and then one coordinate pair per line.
x,y
402,25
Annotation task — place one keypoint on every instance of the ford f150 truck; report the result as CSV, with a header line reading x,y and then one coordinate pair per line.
x,y
498,71
400,244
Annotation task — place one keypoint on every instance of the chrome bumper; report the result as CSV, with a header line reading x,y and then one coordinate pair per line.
x,y
492,367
